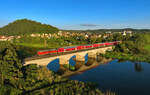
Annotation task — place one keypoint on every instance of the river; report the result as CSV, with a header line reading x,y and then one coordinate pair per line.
x,y
123,78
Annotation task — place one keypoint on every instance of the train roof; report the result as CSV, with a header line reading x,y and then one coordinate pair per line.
x,y
46,50
75,46
70,47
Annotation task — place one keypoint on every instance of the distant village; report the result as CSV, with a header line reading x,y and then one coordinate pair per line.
x,y
67,34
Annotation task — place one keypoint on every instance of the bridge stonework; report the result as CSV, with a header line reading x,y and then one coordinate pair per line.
x,y
64,59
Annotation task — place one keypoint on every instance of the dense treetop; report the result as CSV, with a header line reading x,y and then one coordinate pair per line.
x,y
25,26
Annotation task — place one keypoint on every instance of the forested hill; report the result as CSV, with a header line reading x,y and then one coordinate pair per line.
x,y
25,26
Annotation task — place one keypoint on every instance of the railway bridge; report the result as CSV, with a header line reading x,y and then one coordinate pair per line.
x,y
55,61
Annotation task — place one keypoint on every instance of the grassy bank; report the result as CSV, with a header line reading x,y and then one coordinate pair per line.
x,y
124,56
147,47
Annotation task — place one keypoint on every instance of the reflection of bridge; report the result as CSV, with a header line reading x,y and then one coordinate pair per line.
x,y
64,59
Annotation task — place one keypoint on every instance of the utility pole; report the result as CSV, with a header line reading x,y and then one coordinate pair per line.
x,y
45,42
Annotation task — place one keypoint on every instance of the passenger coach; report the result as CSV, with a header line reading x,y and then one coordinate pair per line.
x,y
75,48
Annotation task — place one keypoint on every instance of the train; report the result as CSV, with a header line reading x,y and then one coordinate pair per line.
x,y
76,48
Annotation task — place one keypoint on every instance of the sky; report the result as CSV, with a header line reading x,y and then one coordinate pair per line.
x,y
79,14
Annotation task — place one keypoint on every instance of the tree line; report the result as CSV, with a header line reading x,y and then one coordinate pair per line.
x,y
110,30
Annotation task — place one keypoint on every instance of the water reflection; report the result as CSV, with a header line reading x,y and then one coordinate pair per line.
x,y
138,67
121,60
119,76
99,58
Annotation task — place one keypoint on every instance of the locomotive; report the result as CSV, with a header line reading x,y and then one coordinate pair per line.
x,y
76,48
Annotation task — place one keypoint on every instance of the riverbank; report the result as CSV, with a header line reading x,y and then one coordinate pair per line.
x,y
84,68
125,56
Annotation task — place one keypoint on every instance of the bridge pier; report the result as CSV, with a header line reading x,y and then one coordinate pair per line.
x,y
64,60
80,57
92,55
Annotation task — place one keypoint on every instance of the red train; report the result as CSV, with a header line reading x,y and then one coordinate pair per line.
x,y
75,48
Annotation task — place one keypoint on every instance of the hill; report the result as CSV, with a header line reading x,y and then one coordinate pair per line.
x,y
25,26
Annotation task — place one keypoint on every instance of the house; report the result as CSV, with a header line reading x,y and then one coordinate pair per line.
x,y
125,32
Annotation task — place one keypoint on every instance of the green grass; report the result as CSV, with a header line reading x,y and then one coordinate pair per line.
x,y
147,47
37,45
31,45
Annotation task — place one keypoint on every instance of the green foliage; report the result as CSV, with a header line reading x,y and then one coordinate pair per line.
x,y
25,26
135,49
69,67
10,65
70,87
8,90
147,47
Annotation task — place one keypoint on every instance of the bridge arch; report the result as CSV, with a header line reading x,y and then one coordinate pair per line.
x,y
72,61
54,65
86,58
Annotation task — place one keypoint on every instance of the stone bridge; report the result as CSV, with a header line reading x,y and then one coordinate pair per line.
x,y
64,59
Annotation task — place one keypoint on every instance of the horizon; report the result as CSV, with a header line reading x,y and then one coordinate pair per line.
x,y
81,29
79,15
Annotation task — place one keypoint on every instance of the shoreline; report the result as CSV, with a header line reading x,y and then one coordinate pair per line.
x,y
130,57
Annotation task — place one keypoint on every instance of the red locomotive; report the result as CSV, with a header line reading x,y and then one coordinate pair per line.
x,y
76,48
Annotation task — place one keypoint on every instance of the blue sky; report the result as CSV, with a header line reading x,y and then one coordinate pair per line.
x,y
79,14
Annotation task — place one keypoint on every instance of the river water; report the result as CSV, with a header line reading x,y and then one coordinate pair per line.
x,y
123,78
